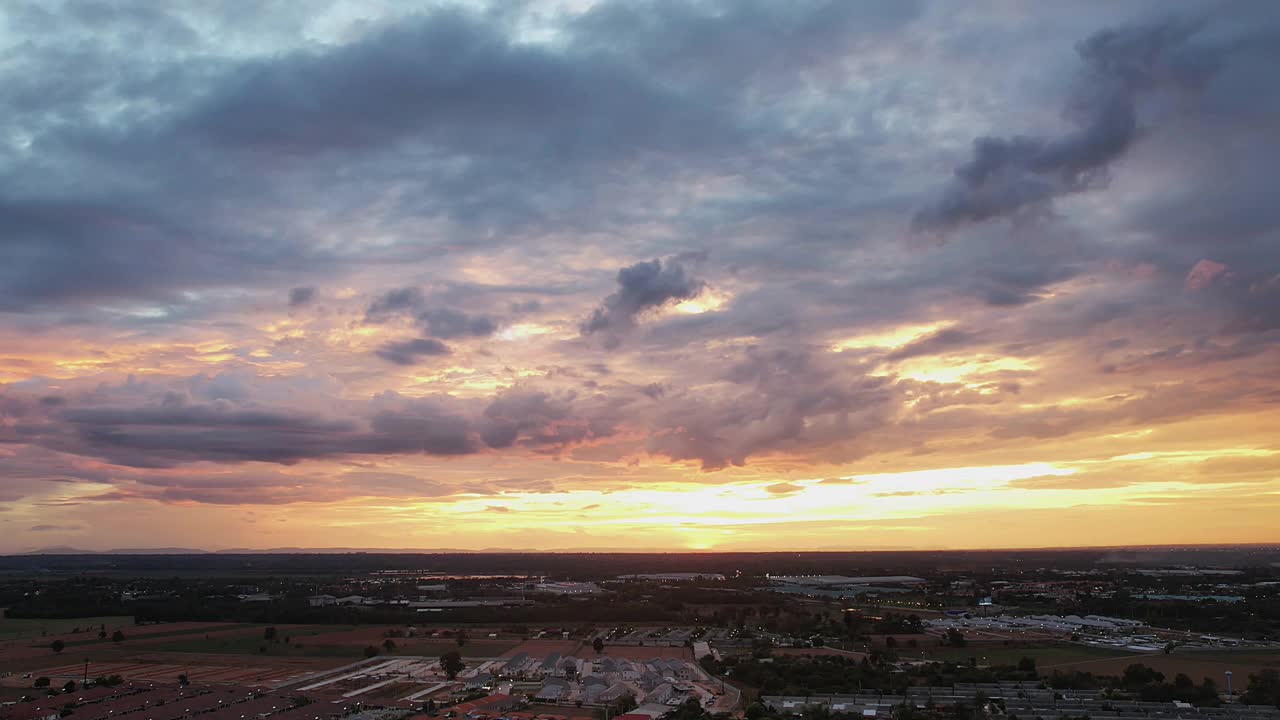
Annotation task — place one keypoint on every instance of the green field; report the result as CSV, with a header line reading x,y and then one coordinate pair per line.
x,y
17,628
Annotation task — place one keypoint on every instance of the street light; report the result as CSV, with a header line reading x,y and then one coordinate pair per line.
x,y
1229,693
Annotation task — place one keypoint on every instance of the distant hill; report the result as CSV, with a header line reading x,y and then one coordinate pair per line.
x,y
64,550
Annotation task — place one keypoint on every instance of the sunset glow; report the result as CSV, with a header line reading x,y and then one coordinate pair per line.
x,y
544,276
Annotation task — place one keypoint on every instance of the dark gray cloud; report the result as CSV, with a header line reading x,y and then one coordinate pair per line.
x,y
300,296
412,352
1008,176
449,323
437,322
394,302
774,401
541,422
144,425
642,287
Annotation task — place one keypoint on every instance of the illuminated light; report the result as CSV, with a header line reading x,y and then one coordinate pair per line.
x,y
892,339
940,371
1195,455
522,331
1132,434
150,313
706,301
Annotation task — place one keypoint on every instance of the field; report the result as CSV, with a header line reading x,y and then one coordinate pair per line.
x,y
1196,665
1005,655
819,651
18,628
644,652
542,648
23,647
335,641
199,671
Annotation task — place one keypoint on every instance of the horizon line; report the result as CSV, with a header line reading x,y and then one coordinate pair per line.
x,y
69,551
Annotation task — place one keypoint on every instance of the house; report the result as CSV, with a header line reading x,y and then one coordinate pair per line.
x,y
649,680
515,666
349,600
613,692
550,664
322,600
478,681
553,690
651,710
660,694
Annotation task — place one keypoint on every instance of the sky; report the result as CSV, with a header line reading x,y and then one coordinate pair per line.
x,y
639,275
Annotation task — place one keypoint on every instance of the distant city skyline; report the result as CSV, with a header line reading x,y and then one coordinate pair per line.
x,y
815,275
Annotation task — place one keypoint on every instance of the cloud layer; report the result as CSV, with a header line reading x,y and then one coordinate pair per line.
x,y
494,257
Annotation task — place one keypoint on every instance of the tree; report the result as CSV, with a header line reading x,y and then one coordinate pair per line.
x,y
269,634
371,651
183,680
117,636
1264,688
102,634
1027,664
624,704
598,645
41,682
461,638
70,687
57,646
451,663
1137,675
389,645
955,638
890,642
1168,648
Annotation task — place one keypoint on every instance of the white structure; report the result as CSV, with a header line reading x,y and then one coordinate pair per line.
x,y
567,588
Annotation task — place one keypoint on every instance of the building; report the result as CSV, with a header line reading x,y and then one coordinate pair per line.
x,y
553,690
567,588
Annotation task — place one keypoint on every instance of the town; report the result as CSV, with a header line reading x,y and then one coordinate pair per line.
x,y
398,637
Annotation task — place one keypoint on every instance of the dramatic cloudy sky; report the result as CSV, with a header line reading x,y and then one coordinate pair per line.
x,y
631,274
